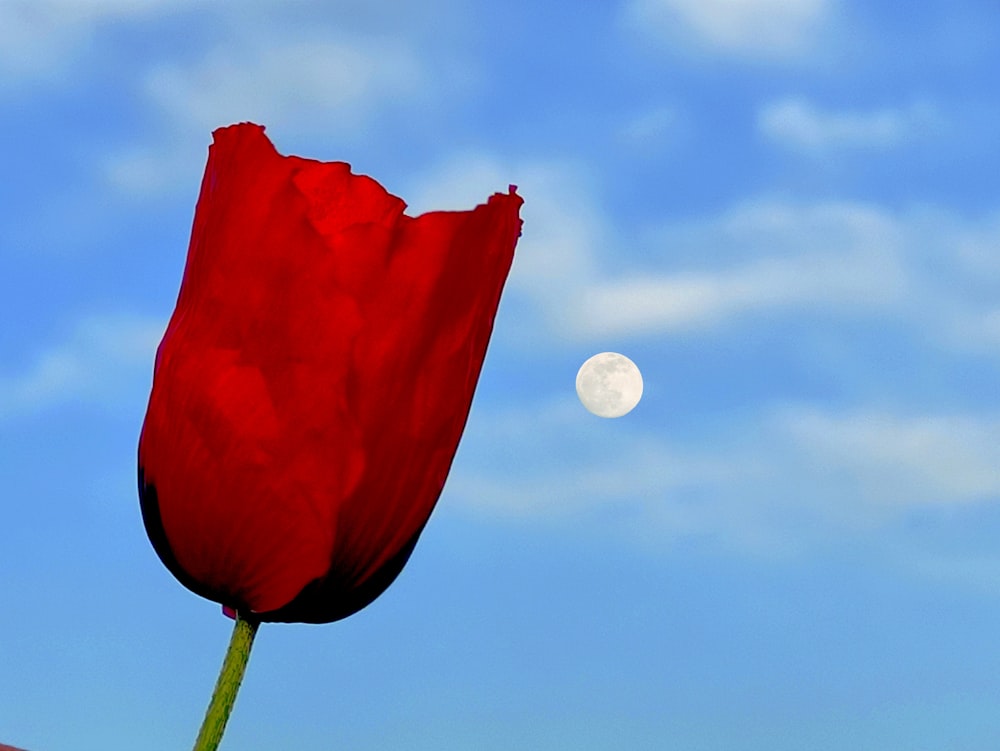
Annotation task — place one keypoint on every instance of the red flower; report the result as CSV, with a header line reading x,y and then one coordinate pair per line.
x,y
313,383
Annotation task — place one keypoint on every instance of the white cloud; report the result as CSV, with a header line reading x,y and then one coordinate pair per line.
x,y
797,124
588,279
102,357
758,257
555,462
686,301
750,29
320,86
781,481
976,245
284,81
900,460
39,37
564,228
145,170
48,38
305,70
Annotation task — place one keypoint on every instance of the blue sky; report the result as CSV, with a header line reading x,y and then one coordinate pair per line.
x,y
786,212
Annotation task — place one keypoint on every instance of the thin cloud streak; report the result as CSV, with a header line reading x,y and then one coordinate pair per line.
x,y
901,460
104,357
39,39
291,85
350,65
280,82
800,125
786,478
923,267
693,301
762,30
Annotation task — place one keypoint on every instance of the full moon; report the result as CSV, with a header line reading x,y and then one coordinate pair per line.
x,y
609,385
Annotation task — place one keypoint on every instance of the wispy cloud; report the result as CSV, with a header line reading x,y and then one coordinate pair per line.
x,y
324,75
688,301
290,84
570,464
800,125
40,38
783,480
564,226
768,30
899,460
765,257
102,357
281,81
768,255
774,255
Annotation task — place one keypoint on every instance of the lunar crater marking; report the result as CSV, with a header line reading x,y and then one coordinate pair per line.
x,y
609,384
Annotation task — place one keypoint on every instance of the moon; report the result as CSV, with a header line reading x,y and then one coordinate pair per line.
x,y
609,384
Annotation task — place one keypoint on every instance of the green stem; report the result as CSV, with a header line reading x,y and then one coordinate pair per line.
x,y
227,686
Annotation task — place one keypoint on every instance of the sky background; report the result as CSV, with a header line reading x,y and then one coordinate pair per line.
x,y
786,212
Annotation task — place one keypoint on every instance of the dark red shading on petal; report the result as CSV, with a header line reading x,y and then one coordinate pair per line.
x,y
314,381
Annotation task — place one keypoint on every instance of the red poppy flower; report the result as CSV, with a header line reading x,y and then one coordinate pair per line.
x,y
314,380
